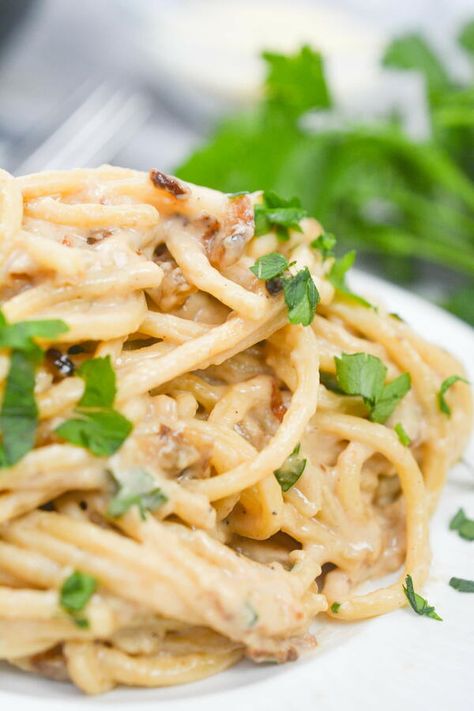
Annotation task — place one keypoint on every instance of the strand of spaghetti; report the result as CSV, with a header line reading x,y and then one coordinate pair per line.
x,y
425,384
349,467
416,564
304,358
12,209
96,319
172,328
22,501
33,568
39,462
63,182
210,348
96,668
68,262
92,215
190,256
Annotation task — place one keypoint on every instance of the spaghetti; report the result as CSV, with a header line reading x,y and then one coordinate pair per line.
x,y
244,496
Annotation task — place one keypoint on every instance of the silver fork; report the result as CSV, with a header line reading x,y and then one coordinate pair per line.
x,y
93,133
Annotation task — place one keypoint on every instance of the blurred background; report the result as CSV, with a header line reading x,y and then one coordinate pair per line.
x,y
362,108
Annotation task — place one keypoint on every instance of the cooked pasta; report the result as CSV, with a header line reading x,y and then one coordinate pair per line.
x,y
229,486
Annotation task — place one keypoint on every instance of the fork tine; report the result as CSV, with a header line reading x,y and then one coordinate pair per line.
x,y
105,118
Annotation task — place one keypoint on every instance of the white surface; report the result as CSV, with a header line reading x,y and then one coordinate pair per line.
x,y
397,661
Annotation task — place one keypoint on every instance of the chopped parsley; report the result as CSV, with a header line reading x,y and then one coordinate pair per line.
x,y
76,591
98,427
138,488
300,292
364,375
291,470
402,435
462,585
463,525
325,244
418,603
335,607
279,214
337,277
19,411
445,385
270,266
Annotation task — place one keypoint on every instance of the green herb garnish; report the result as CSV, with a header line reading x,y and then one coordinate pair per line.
x,y
98,427
291,470
364,375
335,607
270,266
462,585
19,411
138,488
300,292
374,184
337,277
325,244
277,213
463,525
445,385
418,603
402,435
76,591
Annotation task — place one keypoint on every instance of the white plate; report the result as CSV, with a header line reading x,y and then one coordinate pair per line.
x,y
399,660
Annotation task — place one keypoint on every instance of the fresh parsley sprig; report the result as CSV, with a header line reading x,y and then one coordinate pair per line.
x,y
463,525
300,292
135,487
417,602
98,427
274,212
364,375
445,385
19,411
75,593
337,277
291,470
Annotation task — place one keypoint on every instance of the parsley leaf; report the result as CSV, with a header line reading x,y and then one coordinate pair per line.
x,y
325,243
463,525
361,374
445,385
462,585
76,591
418,603
297,83
279,214
364,374
19,413
413,52
136,487
98,427
300,292
402,435
99,377
466,37
301,297
391,395
335,607
291,470
270,266
19,336
337,277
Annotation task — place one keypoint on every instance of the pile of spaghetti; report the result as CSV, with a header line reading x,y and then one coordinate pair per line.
x,y
206,439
